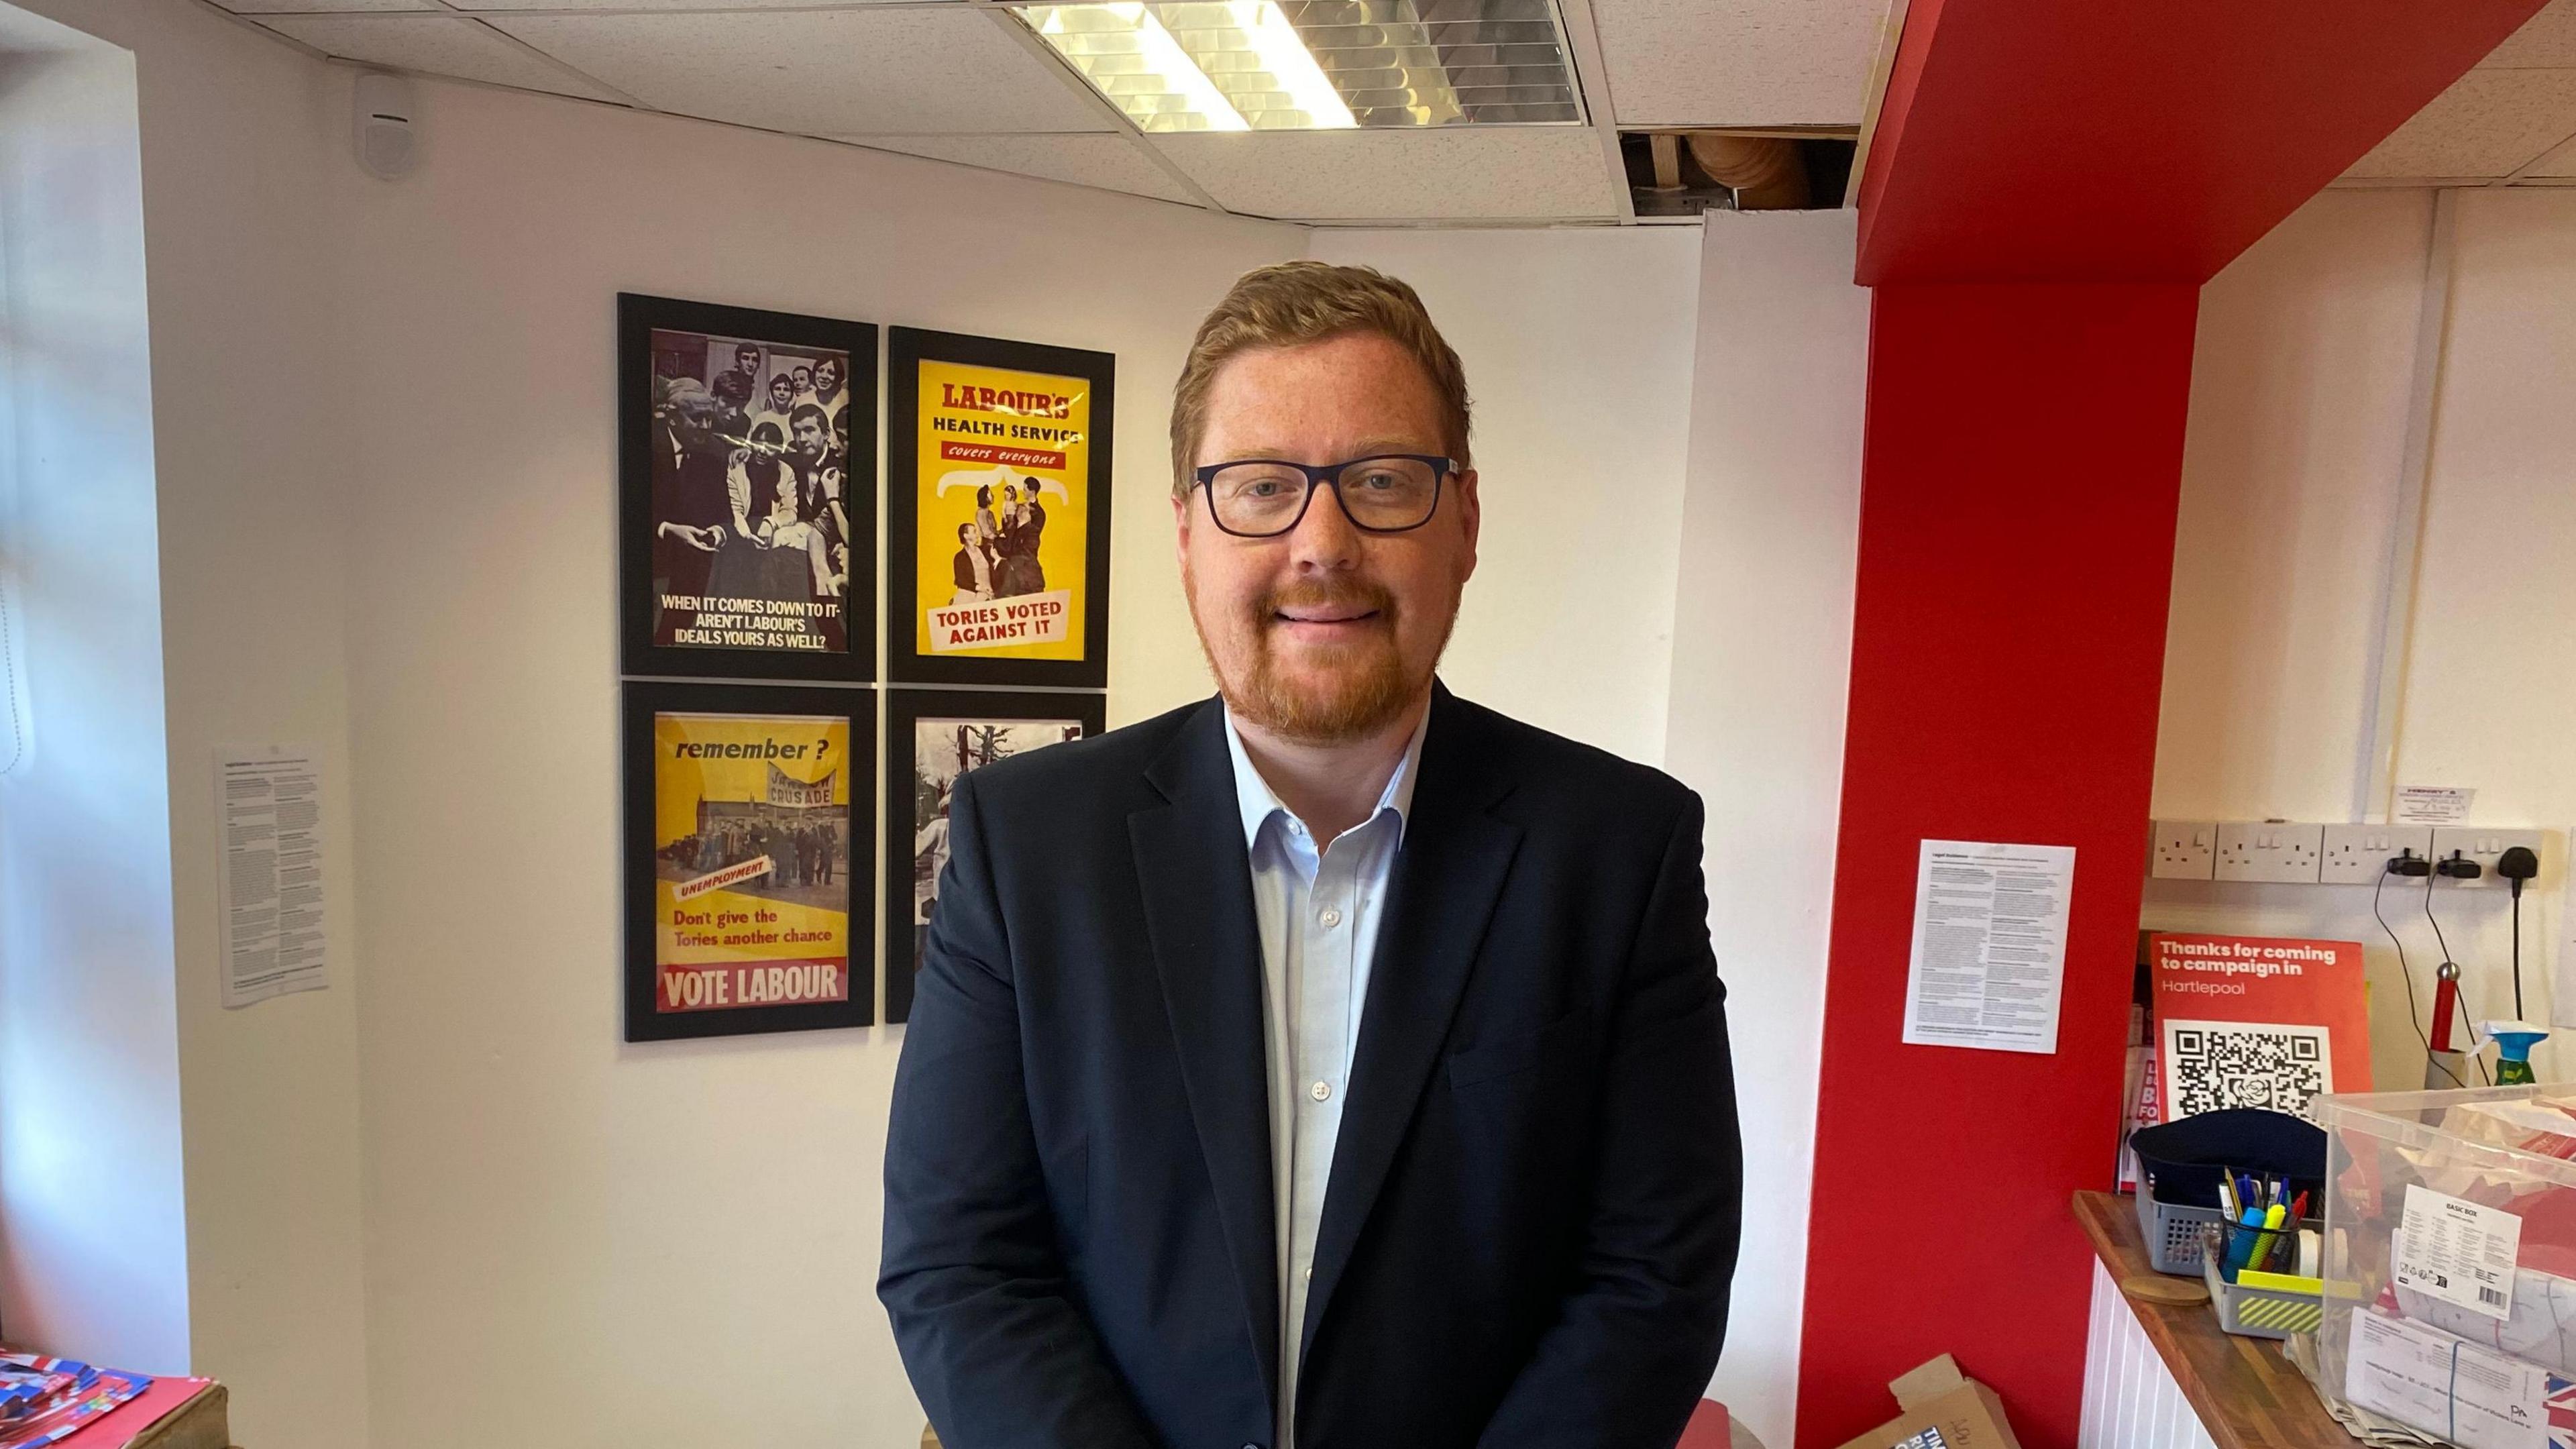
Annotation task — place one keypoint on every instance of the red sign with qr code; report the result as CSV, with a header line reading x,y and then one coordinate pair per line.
x,y
2256,1021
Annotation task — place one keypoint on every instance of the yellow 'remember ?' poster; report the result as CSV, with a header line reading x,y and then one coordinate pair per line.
x,y
751,866
1003,513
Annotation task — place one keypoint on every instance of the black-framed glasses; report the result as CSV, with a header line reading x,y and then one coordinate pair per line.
x,y
1266,497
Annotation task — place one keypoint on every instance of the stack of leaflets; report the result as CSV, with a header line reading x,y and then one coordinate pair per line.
x,y
44,1399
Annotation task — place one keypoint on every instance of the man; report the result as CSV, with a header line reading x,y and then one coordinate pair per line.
x,y
782,403
1335,1064
689,502
746,362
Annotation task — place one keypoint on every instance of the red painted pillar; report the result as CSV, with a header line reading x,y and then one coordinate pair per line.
x,y
2023,454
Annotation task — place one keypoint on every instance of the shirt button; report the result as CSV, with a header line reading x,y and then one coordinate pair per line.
x,y
1332,917
1310,1275
1321,1091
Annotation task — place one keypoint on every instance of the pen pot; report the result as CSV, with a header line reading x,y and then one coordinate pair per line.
x,y
2257,1303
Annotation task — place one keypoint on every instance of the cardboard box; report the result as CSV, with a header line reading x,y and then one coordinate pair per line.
x,y
1942,1409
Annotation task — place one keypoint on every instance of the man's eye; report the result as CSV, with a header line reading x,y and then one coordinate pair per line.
x,y
1380,481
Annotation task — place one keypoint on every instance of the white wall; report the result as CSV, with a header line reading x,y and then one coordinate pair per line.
x,y
1760,667
2300,390
252,456
91,1182
1577,345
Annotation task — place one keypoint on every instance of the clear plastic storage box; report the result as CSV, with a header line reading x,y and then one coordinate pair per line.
x,y
2450,1260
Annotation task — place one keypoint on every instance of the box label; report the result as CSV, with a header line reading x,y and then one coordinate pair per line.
x,y
2425,1378
2458,1251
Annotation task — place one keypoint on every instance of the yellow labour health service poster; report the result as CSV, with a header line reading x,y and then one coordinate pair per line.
x,y
751,838
1003,513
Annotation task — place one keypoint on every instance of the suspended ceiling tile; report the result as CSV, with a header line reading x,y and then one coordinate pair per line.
x,y
823,72
503,7
316,7
1456,173
1741,63
439,44
2546,39
1113,163
2487,124
2561,162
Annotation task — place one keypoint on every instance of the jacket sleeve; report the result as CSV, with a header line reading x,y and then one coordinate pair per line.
x,y
1637,1337
971,1274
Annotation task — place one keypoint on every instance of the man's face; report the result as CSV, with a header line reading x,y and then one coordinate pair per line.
x,y
804,378
841,432
747,360
692,412
782,391
1325,633
809,436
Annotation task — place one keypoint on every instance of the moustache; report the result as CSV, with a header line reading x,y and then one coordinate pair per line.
x,y
1352,597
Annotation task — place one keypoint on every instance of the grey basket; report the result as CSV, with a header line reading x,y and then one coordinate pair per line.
x,y
2253,1312
2172,1231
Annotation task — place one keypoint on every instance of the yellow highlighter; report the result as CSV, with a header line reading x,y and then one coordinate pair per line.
x,y
2272,1220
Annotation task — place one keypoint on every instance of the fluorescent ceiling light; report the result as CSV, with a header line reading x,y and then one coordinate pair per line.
x,y
1125,51
1264,65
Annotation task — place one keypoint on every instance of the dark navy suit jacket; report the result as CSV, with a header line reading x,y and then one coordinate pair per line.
x,y
1532,1213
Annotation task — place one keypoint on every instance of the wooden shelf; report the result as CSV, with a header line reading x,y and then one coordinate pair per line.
x,y
2247,1395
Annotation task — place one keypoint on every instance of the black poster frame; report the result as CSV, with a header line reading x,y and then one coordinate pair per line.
x,y
641,700
638,317
906,349
904,709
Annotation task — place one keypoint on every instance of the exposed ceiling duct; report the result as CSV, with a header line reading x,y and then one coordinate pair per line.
x,y
1766,173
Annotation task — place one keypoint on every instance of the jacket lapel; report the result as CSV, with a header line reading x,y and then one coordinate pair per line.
x,y
1447,877
1197,880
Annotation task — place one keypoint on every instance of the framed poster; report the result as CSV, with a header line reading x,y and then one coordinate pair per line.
x,y
747,477
997,507
749,877
932,737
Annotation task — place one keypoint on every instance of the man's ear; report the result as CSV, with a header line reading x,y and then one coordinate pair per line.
x,y
1470,516
1181,530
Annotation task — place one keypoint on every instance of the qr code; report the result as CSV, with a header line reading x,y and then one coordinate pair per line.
x,y
2213,1064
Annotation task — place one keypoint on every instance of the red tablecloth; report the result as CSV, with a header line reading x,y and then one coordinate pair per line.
x,y
118,1426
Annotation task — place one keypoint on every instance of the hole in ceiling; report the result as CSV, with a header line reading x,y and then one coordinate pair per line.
x,y
1686,172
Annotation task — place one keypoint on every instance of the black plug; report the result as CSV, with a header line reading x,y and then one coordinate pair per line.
x,y
2518,864
2460,867
2408,863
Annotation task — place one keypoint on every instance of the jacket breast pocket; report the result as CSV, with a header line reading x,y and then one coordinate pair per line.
x,y
1554,1044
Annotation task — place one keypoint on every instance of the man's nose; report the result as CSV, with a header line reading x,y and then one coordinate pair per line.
x,y
1325,538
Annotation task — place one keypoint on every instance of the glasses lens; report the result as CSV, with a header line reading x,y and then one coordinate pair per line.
x,y
1389,492
1256,498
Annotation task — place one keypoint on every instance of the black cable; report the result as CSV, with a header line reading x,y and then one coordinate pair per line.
x,y
2517,953
2412,1013
2428,915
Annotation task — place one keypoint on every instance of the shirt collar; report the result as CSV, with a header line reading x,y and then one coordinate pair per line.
x,y
1257,802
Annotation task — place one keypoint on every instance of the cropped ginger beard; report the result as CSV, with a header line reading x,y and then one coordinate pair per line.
x,y
1315,693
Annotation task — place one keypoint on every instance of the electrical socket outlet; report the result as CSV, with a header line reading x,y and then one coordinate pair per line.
x,y
2359,854
2279,851
2183,850
2483,844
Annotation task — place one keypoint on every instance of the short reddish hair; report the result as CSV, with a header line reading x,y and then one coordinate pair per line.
x,y
1291,302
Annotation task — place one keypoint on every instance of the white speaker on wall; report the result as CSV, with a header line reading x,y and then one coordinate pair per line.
x,y
388,130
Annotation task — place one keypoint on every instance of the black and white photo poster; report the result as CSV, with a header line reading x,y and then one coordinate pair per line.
x,y
751,503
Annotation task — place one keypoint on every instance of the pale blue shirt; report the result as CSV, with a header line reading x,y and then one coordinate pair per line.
x,y
1318,912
